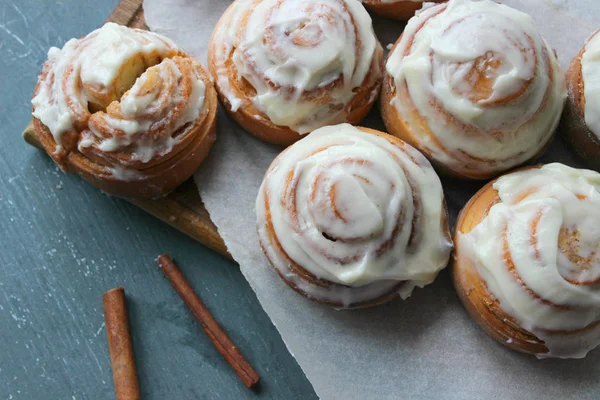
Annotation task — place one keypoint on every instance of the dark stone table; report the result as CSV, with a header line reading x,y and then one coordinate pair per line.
x,y
64,243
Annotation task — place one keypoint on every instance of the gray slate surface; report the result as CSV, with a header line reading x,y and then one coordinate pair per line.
x,y
63,243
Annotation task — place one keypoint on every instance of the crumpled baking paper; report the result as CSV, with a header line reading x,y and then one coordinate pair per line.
x,y
426,347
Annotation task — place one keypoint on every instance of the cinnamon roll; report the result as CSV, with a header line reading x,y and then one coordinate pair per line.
x,y
580,124
401,10
473,85
126,109
527,260
353,217
283,68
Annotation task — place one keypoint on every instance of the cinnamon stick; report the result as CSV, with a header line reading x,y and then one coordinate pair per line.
x,y
120,345
212,328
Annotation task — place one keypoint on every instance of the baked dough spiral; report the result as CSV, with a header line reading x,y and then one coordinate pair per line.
x,y
353,217
473,86
527,261
126,109
580,125
286,67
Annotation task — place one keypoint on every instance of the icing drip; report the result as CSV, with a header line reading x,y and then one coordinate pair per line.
x,y
354,209
486,89
590,68
303,58
538,251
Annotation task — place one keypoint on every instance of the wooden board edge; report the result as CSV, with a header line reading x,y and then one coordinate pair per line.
x,y
126,12
167,210
185,220
31,137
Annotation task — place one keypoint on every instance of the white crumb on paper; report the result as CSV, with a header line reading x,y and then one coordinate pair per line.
x,y
426,347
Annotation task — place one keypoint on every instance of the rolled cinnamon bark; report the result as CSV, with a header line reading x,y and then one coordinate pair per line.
x,y
216,334
120,345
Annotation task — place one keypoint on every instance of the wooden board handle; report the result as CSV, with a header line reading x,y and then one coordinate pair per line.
x,y
183,209
30,136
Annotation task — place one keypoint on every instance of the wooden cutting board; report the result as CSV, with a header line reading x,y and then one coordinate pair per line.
x,y
183,209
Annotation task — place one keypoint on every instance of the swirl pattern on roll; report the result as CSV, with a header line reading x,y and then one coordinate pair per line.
x,y
163,99
538,253
349,216
476,86
119,102
301,64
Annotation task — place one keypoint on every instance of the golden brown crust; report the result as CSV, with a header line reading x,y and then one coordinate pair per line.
x,y
258,123
310,279
572,125
155,182
396,126
399,10
115,173
472,290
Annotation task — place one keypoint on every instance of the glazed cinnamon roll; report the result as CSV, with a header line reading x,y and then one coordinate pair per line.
x,y
283,68
401,10
473,86
527,260
126,109
580,124
353,217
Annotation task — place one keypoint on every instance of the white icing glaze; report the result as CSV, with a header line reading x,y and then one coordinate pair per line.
x,y
86,69
590,69
354,187
539,208
435,66
304,45
138,108
97,70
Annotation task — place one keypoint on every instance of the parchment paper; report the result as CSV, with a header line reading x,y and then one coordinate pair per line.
x,y
424,348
